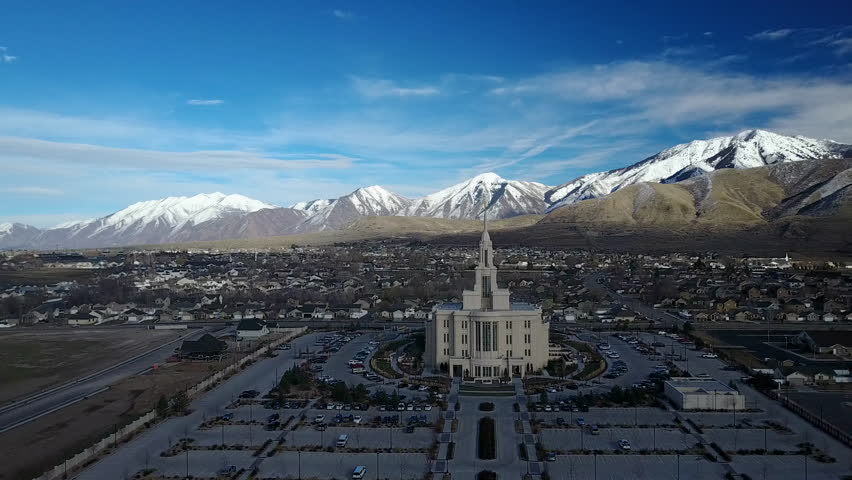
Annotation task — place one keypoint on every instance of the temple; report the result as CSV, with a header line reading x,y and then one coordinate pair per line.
x,y
486,336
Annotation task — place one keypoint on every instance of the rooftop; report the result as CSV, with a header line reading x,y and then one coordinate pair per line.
x,y
698,385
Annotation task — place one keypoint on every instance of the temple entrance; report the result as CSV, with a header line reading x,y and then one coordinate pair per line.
x,y
457,370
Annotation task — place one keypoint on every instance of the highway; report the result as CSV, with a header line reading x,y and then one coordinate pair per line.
x,y
42,403
665,319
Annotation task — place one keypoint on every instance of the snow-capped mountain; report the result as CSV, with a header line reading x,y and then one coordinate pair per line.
x,y
507,198
155,221
363,202
751,148
17,235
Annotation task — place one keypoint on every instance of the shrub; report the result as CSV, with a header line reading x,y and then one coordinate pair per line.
x,y
486,475
487,440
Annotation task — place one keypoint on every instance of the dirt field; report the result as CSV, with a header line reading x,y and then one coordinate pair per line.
x,y
43,276
37,446
32,360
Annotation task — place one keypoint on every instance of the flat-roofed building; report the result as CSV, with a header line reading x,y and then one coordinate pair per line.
x,y
695,393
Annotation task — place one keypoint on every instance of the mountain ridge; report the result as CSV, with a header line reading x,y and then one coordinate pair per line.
x,y
218,216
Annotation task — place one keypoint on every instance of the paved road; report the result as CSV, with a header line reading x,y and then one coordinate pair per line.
x,y
133,456
24,411
666,319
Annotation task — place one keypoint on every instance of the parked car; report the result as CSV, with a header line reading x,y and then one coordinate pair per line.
x,y
551,456
359,472
227,470
624,444
709,355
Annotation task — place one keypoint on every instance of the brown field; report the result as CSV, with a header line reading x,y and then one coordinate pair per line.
x,y
32,360
43,443
43,276
737,355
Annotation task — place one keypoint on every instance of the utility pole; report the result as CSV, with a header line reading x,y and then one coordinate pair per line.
x,y
596,466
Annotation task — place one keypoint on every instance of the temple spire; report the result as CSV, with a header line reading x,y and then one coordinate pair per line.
x,y
485,212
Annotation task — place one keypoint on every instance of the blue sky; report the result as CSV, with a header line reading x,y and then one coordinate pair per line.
x,y
103,104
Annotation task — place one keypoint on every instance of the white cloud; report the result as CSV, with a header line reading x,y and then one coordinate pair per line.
x,y
660,93
205,102
5,57
343,14
708,34
34,191
13,148
772,35
377,88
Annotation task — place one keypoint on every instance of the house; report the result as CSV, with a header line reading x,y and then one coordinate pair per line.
x,y
207,347
251,328
622,315
77,319
834,343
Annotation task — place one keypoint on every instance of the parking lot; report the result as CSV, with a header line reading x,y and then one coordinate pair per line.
x,y
340,465
618,467
393,440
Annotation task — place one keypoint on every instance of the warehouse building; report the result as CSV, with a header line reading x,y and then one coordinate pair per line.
x,y
690,393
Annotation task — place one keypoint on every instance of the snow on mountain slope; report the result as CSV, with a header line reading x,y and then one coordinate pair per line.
x,y
313,206
508,198
17,235
153,221
363,202
751,148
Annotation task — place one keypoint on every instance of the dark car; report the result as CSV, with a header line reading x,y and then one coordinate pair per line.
x,y
551,456
227,470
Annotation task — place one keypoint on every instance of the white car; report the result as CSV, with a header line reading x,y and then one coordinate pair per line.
x,y
709,355
357,419
319,419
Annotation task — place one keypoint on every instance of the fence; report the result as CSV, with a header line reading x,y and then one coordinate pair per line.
x,y
112,440
803,412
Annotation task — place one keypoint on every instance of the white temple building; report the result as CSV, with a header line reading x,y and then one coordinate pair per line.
x,y
486,336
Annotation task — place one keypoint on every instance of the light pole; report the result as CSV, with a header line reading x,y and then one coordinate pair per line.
x,y
678,466
299,453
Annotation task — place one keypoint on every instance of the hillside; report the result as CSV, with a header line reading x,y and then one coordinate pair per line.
x,y
728,198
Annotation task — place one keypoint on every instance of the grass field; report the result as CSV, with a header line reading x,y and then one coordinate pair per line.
x,y
32,360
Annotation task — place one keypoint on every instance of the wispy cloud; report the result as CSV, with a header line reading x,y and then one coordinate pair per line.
x,y
657,93
838,39
377,88
343,14
205,102
35,191
772,35
674,38
12,148
6,57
